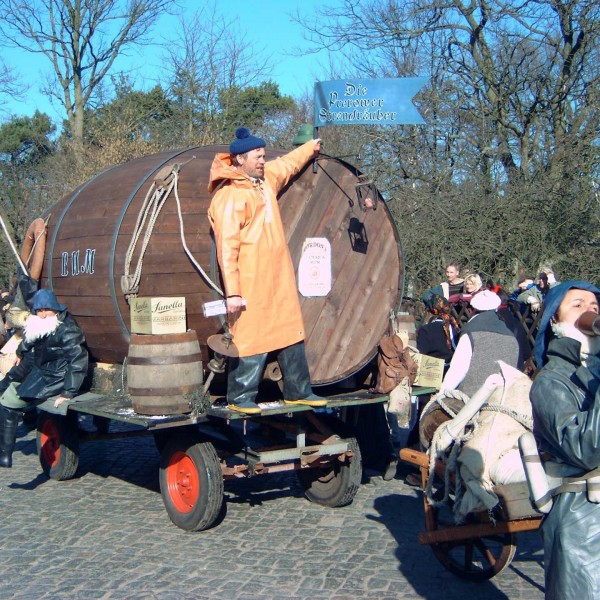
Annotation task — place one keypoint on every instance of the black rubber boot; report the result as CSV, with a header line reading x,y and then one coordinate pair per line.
x,y
243,379
9,420
296,377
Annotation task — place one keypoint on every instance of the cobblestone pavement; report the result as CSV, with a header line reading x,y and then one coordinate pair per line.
x,y
106,534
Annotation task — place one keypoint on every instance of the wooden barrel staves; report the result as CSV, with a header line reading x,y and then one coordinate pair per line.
x,y
91,229
163,371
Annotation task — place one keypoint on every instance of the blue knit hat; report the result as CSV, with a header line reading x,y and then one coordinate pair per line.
x,y
551,303
46,299
244,142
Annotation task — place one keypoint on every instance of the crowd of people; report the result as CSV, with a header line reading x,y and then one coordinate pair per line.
x,y
459,299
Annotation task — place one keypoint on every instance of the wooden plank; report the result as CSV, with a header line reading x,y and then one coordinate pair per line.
x,y
461,533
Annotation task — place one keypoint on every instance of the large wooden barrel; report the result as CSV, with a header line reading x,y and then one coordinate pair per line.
x,y
90,231
163,371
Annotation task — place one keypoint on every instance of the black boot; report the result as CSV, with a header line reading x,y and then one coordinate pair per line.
x,y
296,378
9,419
243,380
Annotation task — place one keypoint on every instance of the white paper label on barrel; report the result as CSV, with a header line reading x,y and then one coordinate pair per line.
x,y
314,270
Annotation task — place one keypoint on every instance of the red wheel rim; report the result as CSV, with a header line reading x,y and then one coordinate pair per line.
x,y
183,482
50,442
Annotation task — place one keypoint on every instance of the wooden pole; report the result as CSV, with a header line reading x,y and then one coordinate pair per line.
x,y
13,248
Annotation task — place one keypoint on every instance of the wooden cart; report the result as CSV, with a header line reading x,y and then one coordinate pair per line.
x,y
486,544
198,451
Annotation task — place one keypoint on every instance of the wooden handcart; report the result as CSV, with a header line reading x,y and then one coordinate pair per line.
x,y
485,545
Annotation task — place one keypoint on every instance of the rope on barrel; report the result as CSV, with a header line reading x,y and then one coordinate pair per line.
x,y
206,278
153,202
166,180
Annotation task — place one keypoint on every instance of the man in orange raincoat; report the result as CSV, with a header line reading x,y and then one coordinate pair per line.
x,y
257,268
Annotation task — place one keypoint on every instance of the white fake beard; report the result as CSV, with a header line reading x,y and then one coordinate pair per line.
x,y
590,345
36,327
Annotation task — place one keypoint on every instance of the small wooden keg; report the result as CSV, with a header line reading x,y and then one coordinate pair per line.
x,y
433,416
162,371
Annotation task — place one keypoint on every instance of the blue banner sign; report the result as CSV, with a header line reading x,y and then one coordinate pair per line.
x,y
367,102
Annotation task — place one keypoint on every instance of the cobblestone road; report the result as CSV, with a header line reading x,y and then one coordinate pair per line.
x,y
105,534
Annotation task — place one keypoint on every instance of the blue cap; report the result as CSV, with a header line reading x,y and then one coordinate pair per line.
x,y
551,303
244,142
46,299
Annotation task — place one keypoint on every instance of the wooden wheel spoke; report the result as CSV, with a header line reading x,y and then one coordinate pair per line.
x,y
485,551
468,563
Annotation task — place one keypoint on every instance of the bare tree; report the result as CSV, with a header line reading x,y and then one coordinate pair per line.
x,y
506,166
10,85
208,55
81,38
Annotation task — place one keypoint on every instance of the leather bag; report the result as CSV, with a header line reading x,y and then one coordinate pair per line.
x,y
394,363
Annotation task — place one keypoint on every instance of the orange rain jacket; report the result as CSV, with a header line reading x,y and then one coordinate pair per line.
x,y
253,253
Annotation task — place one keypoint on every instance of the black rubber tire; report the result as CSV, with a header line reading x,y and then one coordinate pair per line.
x,y
57,445
337,483
191,482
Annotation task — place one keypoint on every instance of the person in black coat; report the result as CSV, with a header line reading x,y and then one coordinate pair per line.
x,y
565,397
53,362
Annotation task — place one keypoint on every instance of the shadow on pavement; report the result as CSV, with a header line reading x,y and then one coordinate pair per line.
x,y
404,518
257,490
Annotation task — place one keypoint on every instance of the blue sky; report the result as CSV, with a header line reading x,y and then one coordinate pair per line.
x,y
267,24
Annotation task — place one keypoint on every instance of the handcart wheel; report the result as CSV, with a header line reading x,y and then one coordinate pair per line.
x,y
477,559
337,482
191,483
57,445
460,548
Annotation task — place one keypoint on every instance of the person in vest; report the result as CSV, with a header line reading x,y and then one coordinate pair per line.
x,y
53,362
566,414
257,269
483,341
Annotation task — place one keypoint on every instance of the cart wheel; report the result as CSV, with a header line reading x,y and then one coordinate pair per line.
x,y
57,446
477,559
336,483
191,483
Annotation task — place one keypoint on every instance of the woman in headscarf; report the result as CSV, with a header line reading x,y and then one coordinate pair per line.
x,y
566,411
438,337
